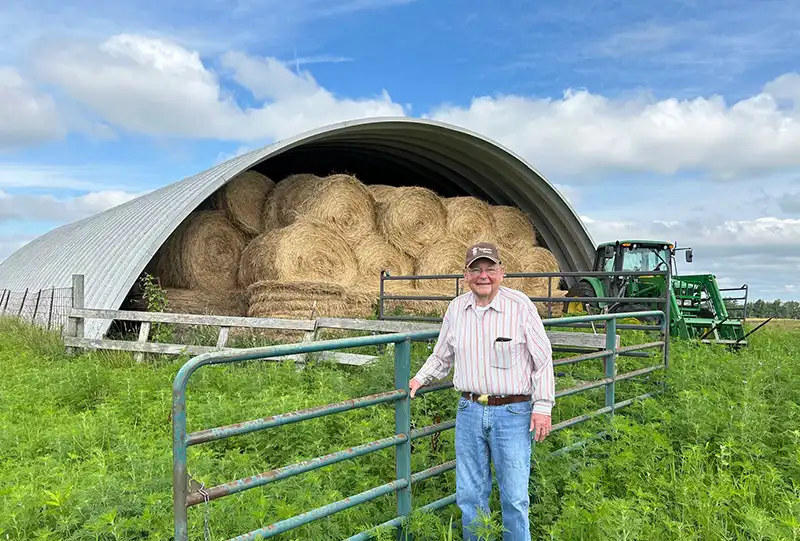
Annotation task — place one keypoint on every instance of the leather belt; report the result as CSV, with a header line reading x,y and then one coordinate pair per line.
x,y
496,400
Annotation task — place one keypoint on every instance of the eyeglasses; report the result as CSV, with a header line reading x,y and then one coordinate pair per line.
x,y
491,272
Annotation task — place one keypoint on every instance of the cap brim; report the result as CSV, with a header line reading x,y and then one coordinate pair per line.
x,y
474,259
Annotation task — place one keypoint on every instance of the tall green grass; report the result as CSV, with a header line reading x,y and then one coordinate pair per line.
x,y
85,448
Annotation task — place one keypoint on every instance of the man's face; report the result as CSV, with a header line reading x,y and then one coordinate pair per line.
x,y
484,277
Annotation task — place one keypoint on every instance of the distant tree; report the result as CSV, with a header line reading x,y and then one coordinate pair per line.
x,y
778,309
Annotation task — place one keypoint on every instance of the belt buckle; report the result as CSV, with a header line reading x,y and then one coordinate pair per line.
x,y
483,399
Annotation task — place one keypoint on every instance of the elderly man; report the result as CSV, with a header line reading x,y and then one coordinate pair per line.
x,y
495,339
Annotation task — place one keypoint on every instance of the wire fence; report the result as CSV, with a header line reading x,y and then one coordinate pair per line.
x,y
47,308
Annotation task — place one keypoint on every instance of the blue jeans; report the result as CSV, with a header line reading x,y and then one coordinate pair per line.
x,y
498,434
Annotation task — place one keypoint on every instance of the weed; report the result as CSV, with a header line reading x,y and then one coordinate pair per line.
x,y
155,299
85,448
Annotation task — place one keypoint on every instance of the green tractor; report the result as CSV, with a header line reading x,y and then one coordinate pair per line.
x,y
697,307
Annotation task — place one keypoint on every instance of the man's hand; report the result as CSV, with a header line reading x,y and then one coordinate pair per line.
x,y
541,423
413,386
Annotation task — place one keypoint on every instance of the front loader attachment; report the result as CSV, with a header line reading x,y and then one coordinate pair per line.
x,y
703,313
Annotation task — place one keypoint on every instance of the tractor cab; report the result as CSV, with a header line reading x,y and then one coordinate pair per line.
x,y
637,256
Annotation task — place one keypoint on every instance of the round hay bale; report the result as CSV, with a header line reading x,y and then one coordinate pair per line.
x,y
511,263
341,201
243,198
415,307
375,254
538,259
278,290
443,256
411,218
218,303
304,251
511,225
380,192
168,261
284,197
468,218
555,308
203,253
271,298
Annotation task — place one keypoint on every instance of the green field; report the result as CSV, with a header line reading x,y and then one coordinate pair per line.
x,y
85,448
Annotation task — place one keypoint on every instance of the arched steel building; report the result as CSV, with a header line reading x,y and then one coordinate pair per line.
x,y
112,248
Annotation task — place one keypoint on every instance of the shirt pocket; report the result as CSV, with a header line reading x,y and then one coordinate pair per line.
x,y
506,353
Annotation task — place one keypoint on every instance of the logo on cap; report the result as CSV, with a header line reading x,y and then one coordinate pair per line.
x,y
482,249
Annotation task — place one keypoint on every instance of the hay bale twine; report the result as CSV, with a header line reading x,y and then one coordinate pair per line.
x,y
468,218
203,253
341,201
411,218
511,225
218,303
304,251
243,199
283,199
375,254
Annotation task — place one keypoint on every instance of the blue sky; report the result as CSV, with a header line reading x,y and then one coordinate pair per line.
x,y
676,119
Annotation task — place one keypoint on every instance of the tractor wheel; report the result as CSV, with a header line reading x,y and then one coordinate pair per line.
x,y
581,289
622,308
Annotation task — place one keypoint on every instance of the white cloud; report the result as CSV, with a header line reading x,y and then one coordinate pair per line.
x,y
11,243
33,208
789,202
570,193
586,133
26,116
318,59
763,253
90,177
158,88
760,233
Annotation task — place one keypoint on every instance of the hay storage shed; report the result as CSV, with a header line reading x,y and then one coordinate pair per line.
x,y
114,247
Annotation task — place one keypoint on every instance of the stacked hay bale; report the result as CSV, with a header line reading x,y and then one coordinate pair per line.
x,y
243,200
306,261
311,246
198,265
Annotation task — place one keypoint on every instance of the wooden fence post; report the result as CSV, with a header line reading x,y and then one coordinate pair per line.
x,y
75,325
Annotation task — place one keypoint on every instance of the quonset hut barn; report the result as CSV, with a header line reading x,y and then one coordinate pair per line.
x,y
334,178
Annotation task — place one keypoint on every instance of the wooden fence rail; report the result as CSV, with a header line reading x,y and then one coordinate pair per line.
x,y
70,310
309,328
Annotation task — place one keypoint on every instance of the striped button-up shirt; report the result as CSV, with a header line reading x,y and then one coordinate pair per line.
x,y
499,349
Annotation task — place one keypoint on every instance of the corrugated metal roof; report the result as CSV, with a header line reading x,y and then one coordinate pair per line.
x,y
112,248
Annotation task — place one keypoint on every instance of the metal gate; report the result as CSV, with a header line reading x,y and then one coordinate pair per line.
x,y
401,486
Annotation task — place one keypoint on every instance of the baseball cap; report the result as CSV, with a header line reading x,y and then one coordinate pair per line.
x,y
479,250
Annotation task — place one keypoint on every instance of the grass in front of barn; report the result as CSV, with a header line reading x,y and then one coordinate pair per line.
x,y
85,448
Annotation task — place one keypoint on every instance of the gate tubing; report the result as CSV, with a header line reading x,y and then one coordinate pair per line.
x,y
404,478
